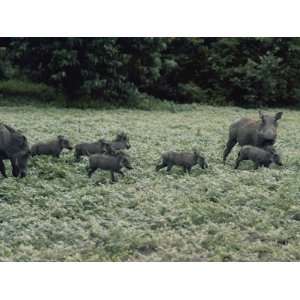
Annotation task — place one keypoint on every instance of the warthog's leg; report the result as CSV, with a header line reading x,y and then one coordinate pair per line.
x,y
91,171
113,179
238,161
120,172
2,168
169,167
162,165
15,169
77,156
230,144
187,169
256,166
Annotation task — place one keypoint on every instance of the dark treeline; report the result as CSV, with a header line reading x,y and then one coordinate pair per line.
x,y
239,71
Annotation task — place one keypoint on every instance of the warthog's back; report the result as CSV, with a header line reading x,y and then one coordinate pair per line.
x,y
244,123
245,131
5,136
118,146
179,158
47,147
89,148
255,153
11,141
104,162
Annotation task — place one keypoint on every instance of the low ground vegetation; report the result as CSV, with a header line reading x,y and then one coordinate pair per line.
x,y
58,213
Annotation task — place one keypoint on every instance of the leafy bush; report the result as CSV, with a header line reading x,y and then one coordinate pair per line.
x,y
240,71
6,69
193,93
97,67
27,89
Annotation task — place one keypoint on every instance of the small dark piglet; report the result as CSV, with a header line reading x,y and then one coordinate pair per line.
x,y
87,149
108,163
52,147
120,142
260,156
184,159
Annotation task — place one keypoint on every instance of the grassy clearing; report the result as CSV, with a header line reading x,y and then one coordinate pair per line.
x,y
58,214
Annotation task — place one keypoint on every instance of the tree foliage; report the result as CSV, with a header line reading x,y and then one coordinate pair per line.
x,y
241,71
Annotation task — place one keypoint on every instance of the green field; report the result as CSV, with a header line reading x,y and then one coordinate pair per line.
x,y
57,213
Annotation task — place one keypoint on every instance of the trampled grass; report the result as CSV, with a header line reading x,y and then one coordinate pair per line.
x,y
57,213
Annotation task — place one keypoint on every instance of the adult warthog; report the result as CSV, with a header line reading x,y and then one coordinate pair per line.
x,y
259,133
13,146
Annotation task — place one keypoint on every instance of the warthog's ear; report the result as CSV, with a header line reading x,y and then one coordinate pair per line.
x,y
261,115
278,115
196,152
122,136
23,140
60,139
121,159
108,147
270,149
20,140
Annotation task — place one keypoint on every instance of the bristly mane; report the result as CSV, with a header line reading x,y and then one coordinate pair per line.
x,y
122,136
8,128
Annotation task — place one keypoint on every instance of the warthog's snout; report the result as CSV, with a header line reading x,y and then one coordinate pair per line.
x,y
268,142
269,135
267,138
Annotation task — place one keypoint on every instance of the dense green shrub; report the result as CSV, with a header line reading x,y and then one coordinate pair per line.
x,y
6,69
121,71
107,69
243,71
256,71
27,89
77,66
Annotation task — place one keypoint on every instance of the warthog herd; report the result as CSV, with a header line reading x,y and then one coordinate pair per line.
x,y
257,138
